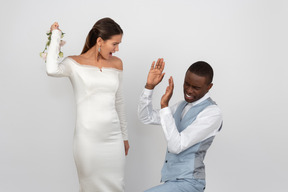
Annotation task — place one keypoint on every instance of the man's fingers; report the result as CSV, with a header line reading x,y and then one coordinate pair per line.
x,y
171,82
158,62
162,66
167,90
152,66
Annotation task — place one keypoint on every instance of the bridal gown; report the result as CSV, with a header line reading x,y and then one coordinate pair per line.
x,y
100,123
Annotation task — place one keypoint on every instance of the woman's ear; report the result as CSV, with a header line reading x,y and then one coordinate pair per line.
x,y
99,41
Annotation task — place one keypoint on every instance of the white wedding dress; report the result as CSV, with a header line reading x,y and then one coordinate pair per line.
x,y
100,125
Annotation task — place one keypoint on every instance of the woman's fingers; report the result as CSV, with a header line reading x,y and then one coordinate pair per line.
x,y
55,25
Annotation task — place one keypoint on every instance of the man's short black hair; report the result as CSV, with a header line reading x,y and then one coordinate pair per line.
x,y
202,68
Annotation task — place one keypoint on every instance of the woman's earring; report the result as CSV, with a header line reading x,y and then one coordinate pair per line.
x,y
99,49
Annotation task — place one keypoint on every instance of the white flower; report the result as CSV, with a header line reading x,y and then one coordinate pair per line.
x,y
43,55
62,43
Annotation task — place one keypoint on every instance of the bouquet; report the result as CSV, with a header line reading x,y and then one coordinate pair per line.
x,y
44,53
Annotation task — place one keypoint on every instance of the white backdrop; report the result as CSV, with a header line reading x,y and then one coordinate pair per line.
x,y
245,41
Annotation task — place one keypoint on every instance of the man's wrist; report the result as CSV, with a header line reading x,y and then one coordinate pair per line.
x,y
164,105
148,86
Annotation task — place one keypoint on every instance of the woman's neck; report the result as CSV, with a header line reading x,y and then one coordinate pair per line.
x,y
93,55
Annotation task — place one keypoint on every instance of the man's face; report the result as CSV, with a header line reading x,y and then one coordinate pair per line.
x,y
195,87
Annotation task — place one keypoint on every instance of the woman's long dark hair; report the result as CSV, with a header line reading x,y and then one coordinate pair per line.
x,y
104,28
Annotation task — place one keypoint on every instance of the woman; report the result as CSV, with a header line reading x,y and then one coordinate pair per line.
x,y
96,76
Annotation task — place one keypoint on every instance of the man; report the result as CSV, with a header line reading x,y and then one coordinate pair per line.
x,y
189,126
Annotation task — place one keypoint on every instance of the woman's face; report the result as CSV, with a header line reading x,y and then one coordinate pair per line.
x,y
110,46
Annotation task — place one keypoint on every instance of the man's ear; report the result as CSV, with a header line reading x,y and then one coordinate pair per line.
x,y
210,86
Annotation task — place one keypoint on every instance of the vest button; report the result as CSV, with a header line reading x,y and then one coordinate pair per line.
x,y
166,161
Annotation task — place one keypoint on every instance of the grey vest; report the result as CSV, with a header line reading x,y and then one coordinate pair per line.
x,y
188,163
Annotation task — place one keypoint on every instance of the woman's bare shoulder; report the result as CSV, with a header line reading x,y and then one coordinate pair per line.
x,y
117,63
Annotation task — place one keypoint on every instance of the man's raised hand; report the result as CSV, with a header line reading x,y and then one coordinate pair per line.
x,y
168,94
155,74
